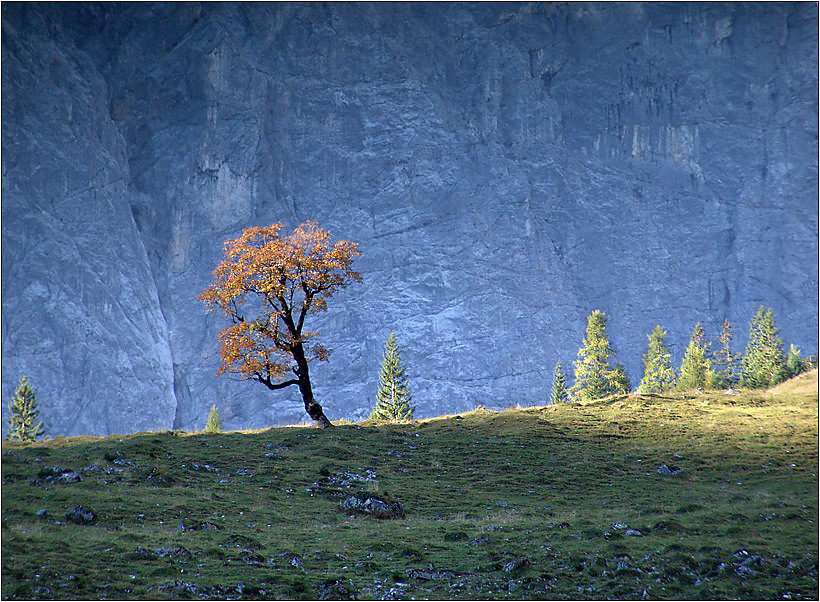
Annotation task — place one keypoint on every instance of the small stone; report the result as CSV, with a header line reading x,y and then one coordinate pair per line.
x,y
69,476
633,533
335,589
254,559
42,513
81,515
372,506
515,564
668,470
172,552
193,526
431,574
203,467
142,553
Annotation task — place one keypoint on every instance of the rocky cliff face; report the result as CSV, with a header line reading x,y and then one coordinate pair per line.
x,y
505,168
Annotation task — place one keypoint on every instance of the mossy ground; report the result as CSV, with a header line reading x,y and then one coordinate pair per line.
x,y
552,502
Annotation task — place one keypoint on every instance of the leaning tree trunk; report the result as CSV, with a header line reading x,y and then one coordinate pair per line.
x,y
313,409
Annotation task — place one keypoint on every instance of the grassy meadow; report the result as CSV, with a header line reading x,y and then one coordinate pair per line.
x,y
554,502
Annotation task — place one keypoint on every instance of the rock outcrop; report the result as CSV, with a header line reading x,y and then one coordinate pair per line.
x,y
506,168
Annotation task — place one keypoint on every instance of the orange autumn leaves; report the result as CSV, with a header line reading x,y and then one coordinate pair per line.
x,y
268,285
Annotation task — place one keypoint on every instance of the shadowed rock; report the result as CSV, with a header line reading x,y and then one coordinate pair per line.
x,y
372,505
81,515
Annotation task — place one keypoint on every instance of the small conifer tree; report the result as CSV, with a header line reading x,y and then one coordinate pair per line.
x,y
393,396
559,385
592,368
726,363
794,363
763,363
696,367
24,413
658,374
619,380
214,422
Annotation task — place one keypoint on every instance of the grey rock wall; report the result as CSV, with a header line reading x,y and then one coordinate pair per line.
x,y
81,313
506,168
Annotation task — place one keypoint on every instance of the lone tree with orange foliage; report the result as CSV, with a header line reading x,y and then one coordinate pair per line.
x,y
268,285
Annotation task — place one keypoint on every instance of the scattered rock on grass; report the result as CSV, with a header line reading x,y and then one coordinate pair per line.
x,y
68,476
55,474
142,553
431,574
744,561
335,589
668,470
203,467
515,564
81,515
195,526
292,559
372,505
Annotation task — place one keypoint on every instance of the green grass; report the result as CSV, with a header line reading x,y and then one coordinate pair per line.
x,y
531,503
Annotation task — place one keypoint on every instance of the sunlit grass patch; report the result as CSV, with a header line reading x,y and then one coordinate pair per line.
x,y
547,502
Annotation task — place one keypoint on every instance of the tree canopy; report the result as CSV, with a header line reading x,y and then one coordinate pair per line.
x,y
696,366
268,285
658,374
23,414
726,362
593,373
763,363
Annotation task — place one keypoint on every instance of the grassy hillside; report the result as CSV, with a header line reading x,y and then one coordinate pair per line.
x,y
551,502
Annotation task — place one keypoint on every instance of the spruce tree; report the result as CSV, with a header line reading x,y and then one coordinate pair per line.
x,y
214,422
24,413
658,374
619,380
393,397
559,385
726,363
763,363
699,337
592,369
696,367
794,363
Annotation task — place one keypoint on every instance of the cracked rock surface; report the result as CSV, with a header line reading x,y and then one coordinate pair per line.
x,y
506,169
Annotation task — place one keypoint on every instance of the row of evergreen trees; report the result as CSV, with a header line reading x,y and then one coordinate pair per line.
x,y
764,364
